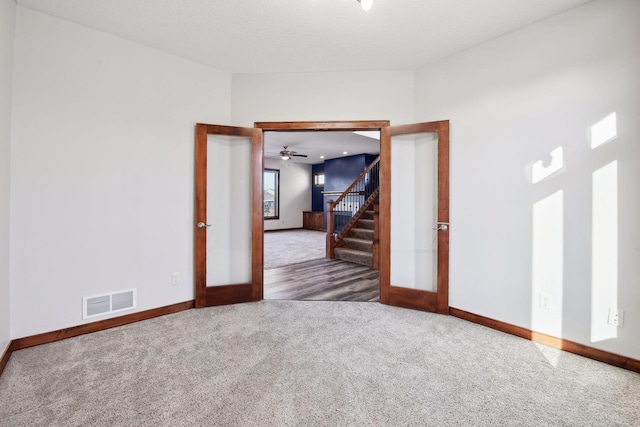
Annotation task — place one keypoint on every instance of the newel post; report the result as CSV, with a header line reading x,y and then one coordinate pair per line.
x,y
376,236
331,241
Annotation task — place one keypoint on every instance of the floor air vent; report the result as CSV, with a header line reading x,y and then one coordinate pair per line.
x,y
99,305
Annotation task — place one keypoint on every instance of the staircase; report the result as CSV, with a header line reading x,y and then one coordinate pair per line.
x,y
357,245
352,220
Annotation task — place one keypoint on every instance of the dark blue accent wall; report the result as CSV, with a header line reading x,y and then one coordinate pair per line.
x,y
338,175
369,158
316,191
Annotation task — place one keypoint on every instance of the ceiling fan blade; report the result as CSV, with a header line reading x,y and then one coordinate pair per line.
x,y
299,155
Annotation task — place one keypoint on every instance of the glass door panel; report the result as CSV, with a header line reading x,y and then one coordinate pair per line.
x,y
414,211
229,210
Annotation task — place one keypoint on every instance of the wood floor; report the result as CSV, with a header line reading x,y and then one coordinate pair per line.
x,y
322,280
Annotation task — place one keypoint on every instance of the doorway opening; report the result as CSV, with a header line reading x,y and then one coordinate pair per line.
x,y
314,167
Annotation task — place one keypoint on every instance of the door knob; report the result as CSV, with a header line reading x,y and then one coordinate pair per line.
x,y
442,226
202,225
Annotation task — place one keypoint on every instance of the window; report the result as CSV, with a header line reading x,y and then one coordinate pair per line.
x,y
271,192
318,179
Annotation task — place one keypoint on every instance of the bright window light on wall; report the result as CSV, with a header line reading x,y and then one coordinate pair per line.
x,y
366,4
604,131
547,264
604,250
540,172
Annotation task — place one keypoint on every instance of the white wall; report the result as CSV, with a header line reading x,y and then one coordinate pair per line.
x,y
102,169
369,95
295,193
7,27
511,102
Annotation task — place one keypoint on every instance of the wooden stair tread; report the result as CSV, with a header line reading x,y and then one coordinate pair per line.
x,y
354,255
357,239
361,233
354,251
359,244
365,223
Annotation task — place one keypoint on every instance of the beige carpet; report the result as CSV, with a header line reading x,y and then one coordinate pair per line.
x,y
292,363
292,246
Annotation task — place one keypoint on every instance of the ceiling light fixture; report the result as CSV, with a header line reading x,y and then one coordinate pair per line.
x,y
285,157
366,4
345,152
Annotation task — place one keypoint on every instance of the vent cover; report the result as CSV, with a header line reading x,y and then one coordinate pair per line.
x,y
99,305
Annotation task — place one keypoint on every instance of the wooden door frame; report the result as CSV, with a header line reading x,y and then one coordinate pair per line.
x,y
330,126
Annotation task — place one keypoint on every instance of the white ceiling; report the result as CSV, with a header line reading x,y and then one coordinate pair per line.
x,y
331,145
260,36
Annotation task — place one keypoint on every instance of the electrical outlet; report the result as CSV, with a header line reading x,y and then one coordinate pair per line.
x,y
175,279
616,317
546,301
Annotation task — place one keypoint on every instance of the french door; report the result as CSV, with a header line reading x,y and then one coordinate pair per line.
x,y
414,211
228,219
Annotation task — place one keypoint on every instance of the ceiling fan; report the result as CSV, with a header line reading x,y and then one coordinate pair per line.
x,y
286,154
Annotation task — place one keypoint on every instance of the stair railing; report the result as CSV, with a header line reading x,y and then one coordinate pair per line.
x,y
343,213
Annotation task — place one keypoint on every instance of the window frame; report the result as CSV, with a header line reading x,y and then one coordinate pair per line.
x,y
276,214
316,175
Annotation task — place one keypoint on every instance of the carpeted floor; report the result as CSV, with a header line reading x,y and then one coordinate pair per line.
x,y
292,363
292,246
